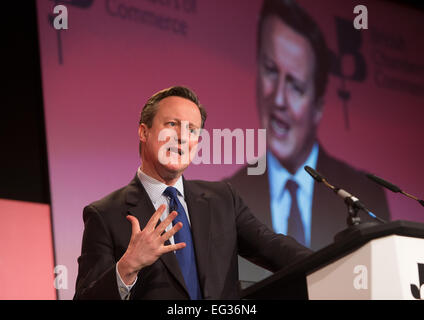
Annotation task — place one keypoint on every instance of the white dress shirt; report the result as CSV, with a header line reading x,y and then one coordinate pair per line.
x,y
280,196
154,189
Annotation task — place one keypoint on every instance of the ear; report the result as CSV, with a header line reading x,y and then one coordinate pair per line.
x,y
143,132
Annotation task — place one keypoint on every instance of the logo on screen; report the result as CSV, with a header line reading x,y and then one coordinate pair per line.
x,y
418,291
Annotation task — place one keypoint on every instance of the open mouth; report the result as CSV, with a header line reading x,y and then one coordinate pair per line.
x,y
176,150
279,126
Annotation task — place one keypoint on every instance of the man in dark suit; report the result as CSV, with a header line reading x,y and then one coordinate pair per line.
x,y
293,66
163,237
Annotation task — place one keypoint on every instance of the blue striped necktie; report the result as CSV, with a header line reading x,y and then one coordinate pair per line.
x,y
186,258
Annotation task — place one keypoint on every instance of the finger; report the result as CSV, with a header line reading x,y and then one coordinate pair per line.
x,y
135,225
151,224
171,232
173,247
165,223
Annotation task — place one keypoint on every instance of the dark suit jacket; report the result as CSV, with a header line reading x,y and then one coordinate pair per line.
x,y
222,227
329,212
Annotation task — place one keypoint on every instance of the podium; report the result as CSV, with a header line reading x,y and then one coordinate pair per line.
x,y
381,262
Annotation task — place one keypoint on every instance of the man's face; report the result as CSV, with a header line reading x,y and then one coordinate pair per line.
x,y
286,93
169,145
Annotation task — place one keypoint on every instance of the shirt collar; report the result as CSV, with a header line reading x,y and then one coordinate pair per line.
x,y
155,188
278,175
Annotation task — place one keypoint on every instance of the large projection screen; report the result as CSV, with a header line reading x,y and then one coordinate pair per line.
x,y
115,54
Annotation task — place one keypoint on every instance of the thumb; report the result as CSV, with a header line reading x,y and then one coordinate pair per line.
x,y
135,225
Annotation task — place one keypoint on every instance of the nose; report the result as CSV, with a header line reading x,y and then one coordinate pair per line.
x,y
280,93
180,137
181,140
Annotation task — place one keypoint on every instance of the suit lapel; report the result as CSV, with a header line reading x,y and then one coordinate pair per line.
x,y
255,191
262,191
199,211
140,204
142,208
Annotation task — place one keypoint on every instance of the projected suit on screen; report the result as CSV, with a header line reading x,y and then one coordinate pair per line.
x,y
292,71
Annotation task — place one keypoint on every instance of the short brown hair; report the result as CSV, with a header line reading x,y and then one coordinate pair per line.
x,y
299,20
151,107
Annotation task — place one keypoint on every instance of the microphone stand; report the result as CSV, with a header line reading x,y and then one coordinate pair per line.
x,y
353,218
353,221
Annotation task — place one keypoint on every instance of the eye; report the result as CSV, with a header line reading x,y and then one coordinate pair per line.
x,y
171,123
194,131
269,67
297,87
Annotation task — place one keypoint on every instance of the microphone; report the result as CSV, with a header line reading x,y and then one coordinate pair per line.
x,y
314,174
354,201
348,198
383,183
392,187
318,177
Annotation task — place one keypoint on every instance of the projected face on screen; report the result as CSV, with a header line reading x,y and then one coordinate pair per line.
x,y
286,93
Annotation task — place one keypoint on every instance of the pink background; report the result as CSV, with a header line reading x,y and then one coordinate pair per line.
x,y
26,261
111,66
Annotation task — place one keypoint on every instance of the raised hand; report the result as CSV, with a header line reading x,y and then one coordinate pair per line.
x,y
147,245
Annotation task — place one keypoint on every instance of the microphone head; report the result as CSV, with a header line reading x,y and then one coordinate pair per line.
x,y
384,183
314,174
421,202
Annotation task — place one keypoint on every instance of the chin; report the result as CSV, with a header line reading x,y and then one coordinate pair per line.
x,y
175,168
283,153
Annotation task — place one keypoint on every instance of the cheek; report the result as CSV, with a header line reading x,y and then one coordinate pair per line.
x,y
299,112
165,135
192,145
265,85
305,124
156,140
263,93
301,108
